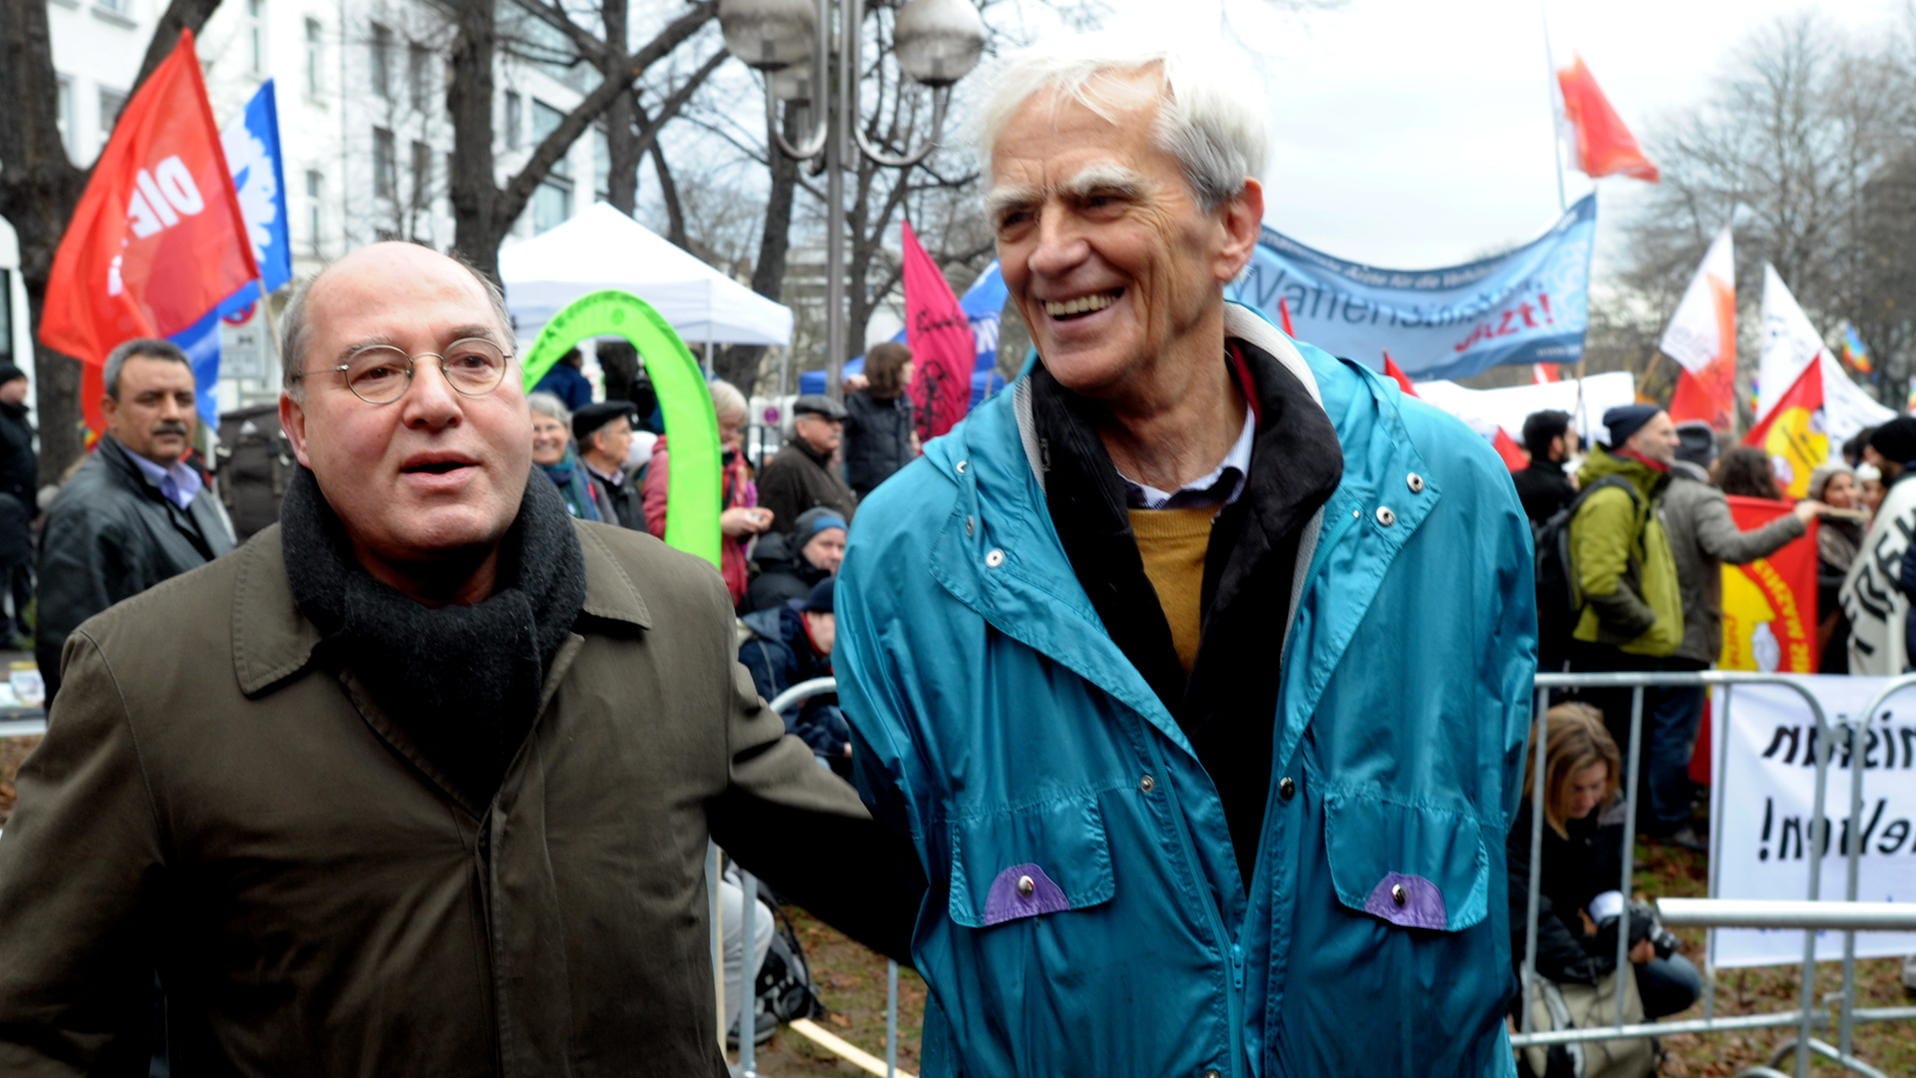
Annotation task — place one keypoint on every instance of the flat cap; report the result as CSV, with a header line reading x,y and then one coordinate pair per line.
x,y
587,420
818,404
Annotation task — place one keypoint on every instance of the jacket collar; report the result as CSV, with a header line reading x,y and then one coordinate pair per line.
x,y
273,641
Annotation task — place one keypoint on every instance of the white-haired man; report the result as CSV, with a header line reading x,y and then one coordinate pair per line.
x,y
420,780
1198,665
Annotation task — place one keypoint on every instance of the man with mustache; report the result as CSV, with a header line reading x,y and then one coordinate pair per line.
x,y
136,512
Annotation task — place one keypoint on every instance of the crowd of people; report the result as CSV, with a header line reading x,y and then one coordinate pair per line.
x,y
1183,690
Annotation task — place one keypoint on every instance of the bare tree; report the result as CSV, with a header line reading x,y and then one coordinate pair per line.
x,y
1806,147
484,209
40,185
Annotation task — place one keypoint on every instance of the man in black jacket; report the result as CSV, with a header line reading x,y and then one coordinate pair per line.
x,y
19,471
801,476
135,513
1542,486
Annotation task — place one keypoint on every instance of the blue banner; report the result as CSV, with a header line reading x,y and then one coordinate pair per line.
x,y
1529,305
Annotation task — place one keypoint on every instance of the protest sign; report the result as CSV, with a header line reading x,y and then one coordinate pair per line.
x,y
1528,305
1762,811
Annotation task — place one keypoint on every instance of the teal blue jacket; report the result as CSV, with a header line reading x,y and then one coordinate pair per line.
x,y
1086,913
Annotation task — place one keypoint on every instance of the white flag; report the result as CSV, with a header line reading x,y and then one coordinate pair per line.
x,y
1703,330
1790,343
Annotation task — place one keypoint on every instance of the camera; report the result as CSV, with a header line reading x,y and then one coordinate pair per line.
x,y
1607,911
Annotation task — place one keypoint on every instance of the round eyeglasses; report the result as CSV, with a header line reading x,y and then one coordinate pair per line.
x,y
381,373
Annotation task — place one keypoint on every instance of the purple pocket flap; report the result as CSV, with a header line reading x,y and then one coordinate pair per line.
x,y
1022,891
1419,904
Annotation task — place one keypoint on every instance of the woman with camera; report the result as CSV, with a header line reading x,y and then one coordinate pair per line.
x,y
1579,903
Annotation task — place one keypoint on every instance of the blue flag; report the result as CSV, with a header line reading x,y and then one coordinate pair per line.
x,y
252,156
1528,305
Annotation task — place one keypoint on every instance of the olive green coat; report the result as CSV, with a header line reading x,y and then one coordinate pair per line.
x,y
1625,570
216,801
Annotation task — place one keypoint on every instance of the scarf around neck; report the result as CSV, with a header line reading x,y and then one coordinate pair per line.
x,y
463,682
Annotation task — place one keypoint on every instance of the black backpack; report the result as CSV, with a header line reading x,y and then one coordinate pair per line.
x,y
784,985
254,463
1559,601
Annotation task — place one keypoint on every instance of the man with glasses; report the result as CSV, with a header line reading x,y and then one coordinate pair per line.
x,y
421,780
137,512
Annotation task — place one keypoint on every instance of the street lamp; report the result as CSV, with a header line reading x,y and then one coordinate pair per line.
x,y
935,42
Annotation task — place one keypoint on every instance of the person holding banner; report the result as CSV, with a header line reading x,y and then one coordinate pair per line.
x,y
1872,599
1703,538
1197,664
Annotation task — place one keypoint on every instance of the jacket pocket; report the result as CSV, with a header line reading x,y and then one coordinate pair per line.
x,y
1029,861
1414,866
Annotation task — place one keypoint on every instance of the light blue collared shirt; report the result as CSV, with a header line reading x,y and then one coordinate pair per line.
x,y
178,482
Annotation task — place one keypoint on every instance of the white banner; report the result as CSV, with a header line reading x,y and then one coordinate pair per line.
x,y
1762,812
1703,328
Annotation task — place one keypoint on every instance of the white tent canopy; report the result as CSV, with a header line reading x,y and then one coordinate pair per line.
x,y
603,248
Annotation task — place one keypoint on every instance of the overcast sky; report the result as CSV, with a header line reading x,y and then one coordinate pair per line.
x,y
1417,133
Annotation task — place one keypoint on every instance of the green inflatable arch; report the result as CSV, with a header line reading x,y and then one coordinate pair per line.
x,y
692,490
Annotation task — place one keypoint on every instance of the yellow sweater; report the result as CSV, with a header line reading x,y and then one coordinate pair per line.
x,y
1173,543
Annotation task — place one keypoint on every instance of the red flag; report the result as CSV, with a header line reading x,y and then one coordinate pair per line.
x,y
1392,370
157,239
1545,373
1793,435
943,349
1514,456
1605,146
1284,316
1769,605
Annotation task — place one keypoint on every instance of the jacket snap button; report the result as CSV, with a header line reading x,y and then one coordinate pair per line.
x,y
1415,482
1212,1074
1026,885
1398,895
1147,784
959,467
1386,515
995,558
1287,787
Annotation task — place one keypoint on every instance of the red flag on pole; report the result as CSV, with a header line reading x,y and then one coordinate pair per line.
x,y
943,349
1605,146
1392,370
1792,433
157,239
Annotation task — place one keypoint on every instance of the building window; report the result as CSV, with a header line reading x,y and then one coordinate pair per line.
x,y
551,205
315,209
545,120
64,117
515,129
421,174
111,102
419,76
315,61
117,7
256,35
382,47
385,164
601,165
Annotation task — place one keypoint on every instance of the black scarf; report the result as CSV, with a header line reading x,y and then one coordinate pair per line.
x,y
463,682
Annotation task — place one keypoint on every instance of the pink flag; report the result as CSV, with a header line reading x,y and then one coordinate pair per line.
x,y
943,350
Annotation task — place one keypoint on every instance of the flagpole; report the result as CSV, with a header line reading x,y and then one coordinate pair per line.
x,y
1550,84
272,328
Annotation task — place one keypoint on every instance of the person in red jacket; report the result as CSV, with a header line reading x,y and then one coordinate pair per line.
x,y
740,516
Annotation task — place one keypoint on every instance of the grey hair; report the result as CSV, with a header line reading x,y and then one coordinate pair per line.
x,y
294,327
548,405
144,348
726,398
1210,115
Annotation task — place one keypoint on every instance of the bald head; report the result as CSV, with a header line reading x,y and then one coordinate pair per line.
x,y
295,327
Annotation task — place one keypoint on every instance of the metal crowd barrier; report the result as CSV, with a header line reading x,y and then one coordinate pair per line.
x,y
1848,915
743,1009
